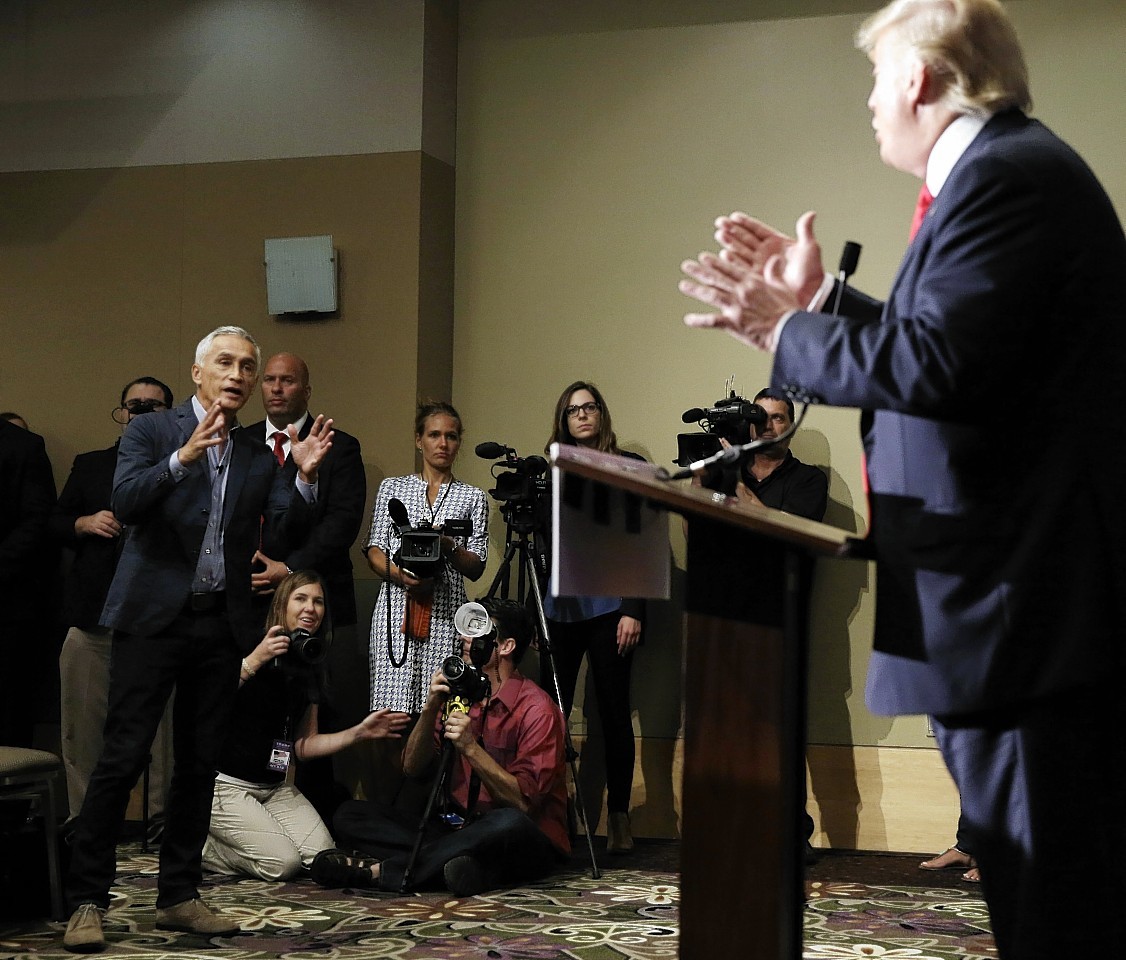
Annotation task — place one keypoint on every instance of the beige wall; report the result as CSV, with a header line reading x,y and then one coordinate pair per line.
x,y
151,151
595,149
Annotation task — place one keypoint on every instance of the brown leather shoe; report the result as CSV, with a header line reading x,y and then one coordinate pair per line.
x,y
195,916
952,859
84,931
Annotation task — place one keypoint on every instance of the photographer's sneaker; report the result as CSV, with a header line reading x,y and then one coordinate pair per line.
x,y
84,931
195,916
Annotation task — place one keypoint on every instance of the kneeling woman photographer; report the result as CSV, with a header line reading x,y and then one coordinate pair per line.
x,y
262,826
603,629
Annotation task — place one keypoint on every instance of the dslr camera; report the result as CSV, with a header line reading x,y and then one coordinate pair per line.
x,y
307,647
468,685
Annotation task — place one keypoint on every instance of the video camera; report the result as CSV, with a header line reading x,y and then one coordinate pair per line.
x,y
420,548
730,419
522,487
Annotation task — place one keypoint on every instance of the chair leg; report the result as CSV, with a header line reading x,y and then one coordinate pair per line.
x,y
51,833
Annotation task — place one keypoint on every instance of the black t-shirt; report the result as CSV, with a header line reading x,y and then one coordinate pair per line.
x,y
740,576
268,707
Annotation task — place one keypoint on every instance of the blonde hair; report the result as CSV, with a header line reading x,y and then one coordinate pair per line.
x,y
970,46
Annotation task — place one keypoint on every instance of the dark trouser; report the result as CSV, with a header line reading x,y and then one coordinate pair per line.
x,y
1028,777
962,839
597,639
197,656
509,846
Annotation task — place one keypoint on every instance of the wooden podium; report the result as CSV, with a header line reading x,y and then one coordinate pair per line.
x,y
744,712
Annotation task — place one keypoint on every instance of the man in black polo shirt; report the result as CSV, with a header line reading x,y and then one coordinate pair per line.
x,y
776,478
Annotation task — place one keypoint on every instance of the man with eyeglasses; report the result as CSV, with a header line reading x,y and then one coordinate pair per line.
x,y
84,522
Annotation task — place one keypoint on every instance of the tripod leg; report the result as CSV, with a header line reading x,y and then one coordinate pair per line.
x,y
546,654
444,764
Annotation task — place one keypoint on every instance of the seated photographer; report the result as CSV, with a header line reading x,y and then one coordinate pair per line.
x,y
262,826
504,820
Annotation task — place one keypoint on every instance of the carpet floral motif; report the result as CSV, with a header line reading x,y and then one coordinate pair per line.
x,y
629,913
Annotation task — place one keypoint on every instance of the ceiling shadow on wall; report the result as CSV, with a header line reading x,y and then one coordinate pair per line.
x,y
531,18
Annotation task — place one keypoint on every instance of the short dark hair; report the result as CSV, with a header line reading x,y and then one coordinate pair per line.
x,y
772,393
512,620
148,382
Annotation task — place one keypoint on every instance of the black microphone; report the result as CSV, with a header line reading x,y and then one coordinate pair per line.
x,y
398,513
490,450
850,257
695,415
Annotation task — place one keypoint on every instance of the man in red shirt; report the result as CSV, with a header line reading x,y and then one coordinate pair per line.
x,y
505,816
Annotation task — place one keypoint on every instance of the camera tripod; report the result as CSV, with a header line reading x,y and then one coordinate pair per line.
x,y
520,539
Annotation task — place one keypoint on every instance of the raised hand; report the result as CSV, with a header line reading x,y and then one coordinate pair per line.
x,y
748,304
754,244
211,431
309,453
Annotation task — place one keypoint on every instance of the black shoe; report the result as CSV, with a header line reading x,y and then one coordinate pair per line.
x,y
466,876
335,868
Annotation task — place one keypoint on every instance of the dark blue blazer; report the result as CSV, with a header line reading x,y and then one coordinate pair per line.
x,y
997,510
165,523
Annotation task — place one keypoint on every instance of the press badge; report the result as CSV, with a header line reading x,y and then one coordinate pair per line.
x,y
281,754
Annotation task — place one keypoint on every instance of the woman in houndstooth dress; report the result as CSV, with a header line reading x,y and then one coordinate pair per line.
x,y
401,669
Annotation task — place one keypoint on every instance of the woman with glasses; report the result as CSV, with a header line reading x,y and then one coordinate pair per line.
x,y
604,629
412,628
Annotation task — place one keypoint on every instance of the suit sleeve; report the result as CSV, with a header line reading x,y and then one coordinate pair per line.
x,y
342,500
69,508
959,320
35,494
142,478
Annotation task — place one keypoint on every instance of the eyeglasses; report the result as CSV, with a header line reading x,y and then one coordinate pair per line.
x,y
590,408
136,408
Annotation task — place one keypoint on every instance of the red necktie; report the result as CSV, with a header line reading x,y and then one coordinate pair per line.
x,y
921,207
279,448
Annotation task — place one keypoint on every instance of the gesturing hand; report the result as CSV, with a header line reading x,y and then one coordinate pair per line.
x,y
309,453
383,724
754,244
211,431
748,304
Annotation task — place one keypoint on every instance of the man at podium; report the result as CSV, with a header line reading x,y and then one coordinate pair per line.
x,y
1000,541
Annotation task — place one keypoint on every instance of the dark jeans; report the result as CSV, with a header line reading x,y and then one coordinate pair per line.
x,y
1027,777
198,657
597,639
509,846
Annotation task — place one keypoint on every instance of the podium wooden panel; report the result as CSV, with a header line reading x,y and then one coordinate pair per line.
x,y
744,728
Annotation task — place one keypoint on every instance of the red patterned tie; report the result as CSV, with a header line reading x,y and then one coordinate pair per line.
x,y
921,207
279,448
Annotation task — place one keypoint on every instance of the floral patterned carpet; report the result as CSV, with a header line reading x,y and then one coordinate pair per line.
x,y
630,913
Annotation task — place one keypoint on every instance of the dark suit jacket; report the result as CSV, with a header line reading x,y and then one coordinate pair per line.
x,y
341,504
87,491
166,522
27,495
997,510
